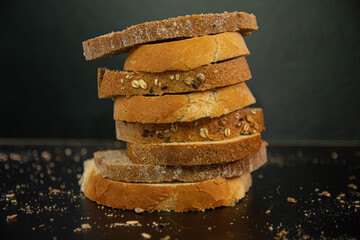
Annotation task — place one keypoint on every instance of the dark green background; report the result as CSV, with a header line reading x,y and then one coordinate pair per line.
x,y
304,60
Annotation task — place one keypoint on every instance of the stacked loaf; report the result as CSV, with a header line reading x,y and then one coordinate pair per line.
x,y
179,105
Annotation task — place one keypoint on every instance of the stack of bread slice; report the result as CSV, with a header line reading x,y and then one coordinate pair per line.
x,y
180,106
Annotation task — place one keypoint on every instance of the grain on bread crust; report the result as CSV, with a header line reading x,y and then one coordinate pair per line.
x,y
115,83
182,107
240,122
115,164
173,28
196,196
187,54
194,153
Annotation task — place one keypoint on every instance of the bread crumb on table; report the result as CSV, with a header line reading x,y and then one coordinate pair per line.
x,y
291,200
325,194
352,186
146,235
10,217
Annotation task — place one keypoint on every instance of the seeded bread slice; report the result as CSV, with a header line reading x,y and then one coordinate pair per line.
x,y
195,153
114,83
240,122
182,107
184,55
173,28
196,196
116,165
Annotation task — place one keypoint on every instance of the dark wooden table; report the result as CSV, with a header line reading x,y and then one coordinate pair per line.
x,y
39,183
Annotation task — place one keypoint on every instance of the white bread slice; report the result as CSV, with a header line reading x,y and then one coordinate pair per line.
x,y
240,122
172,28
115,83
115,164
196,196
195,153
184,55
182,107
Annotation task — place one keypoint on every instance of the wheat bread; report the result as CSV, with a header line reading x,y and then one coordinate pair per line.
x,y
196,196
187,54
195,153
186,107
114,83
115,164
240,122
173,28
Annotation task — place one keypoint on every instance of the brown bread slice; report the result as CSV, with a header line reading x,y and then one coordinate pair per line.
x,y
195,153
115,83
184,55
115,164
182,107
196,196
240,122
173,28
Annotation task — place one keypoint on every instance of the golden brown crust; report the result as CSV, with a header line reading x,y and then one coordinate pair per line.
x,y
184,55
182,107
115,164
172,28
196,196
115,83
195,153
240,122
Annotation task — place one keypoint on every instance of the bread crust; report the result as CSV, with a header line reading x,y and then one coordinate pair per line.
x,y
182,107
187,54
240,122
115,83
173,28
196,196
115,164
194,153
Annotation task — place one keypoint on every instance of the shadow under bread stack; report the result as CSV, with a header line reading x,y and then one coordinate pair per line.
x,y
180,106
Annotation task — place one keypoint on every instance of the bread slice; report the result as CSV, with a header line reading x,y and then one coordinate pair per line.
x,y
195,153
115,164
196,196
182,107
240,122
114,83
184,55
173,28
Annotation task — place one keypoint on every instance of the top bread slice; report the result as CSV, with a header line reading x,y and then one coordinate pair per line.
x,y
123,83
182,107
173,28
187,54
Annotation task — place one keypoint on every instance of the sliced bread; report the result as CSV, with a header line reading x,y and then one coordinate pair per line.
x,y
195,153
182,107
196,196
114,83
172,28
115,164
187,54
240,122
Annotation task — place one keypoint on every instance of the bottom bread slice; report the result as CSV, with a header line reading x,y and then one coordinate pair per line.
x,y
196,196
